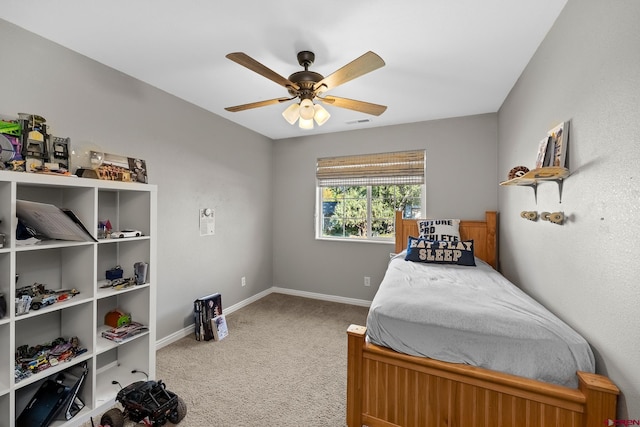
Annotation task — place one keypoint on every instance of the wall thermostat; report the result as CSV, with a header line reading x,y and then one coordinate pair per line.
x,y
207,221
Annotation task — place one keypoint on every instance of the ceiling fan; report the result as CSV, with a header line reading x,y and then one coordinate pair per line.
x,y
308,86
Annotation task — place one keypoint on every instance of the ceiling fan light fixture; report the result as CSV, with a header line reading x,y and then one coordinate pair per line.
x,y
305,123
321,114
292,113
307,85
306,109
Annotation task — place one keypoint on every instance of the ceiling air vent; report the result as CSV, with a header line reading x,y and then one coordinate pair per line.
x,y
359,121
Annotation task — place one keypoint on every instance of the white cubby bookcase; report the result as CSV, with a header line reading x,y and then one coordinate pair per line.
x,y
79,265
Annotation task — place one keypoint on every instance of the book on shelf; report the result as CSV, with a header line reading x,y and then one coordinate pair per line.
x,y
204,310
124,332
52,221
558,141
544,153
219,327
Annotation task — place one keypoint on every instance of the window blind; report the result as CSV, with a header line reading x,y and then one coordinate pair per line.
x,y
396,168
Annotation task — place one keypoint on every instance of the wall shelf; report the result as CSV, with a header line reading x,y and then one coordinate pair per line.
x,y
536,176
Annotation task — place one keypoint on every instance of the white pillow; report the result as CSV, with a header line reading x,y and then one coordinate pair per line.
x,y
439,229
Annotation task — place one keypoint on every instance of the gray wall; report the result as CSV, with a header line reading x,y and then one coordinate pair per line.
x,y
586,271
196,159
461,182
587,70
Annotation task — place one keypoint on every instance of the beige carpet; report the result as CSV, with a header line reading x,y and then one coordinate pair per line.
x,y
283,364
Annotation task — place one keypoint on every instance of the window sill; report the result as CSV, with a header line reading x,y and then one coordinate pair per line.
x,y
343,240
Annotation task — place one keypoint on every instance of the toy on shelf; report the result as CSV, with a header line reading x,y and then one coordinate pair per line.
x,y
36,296
116,318
29,360
104,229
118,284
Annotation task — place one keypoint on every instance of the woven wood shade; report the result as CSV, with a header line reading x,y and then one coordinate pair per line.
x,y
397,168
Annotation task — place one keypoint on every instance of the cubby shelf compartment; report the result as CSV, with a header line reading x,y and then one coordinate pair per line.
x,y
71,371
5,407
77,265
536,176
108,292
51,244
128,302
117,364
103,344
126,239
78,300
53,370
5,360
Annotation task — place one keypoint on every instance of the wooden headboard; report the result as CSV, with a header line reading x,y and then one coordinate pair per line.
x,y
483,233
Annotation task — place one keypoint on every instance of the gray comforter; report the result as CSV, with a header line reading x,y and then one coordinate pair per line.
x,y
474,315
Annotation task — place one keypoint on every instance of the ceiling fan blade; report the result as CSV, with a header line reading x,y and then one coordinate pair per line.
x,y
250,63
356,68
257,104
352,104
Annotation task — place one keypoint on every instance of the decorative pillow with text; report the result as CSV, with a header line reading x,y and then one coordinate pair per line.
x,y
441,252
439,229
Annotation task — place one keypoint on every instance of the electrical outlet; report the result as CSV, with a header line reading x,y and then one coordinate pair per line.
x,y
367,281
244,281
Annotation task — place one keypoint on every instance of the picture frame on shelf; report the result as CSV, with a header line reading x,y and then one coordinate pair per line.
x,y
138,168
544,155
559,140
113,167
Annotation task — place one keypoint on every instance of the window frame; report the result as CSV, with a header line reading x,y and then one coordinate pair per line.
x,y
318,222
396,168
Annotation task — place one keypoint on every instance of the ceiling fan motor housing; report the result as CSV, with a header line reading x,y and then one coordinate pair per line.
x,y
305,79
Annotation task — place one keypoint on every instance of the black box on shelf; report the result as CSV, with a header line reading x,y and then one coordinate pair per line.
x,y
114,273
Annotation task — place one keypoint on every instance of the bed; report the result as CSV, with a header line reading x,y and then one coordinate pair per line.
x,y
391,388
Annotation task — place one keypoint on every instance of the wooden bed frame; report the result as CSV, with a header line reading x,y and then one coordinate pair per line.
x,y
386,388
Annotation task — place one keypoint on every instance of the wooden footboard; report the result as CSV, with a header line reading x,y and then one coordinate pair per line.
x,y
386,389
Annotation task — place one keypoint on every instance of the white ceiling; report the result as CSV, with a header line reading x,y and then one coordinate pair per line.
x,y
444,58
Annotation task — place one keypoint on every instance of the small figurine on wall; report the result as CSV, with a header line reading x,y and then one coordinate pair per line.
x,y
530,215
554,217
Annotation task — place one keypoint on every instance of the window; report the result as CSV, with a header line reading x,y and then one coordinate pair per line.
x,y
358,195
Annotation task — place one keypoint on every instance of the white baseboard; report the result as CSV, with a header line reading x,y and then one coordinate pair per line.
x,y
323,297
169,339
